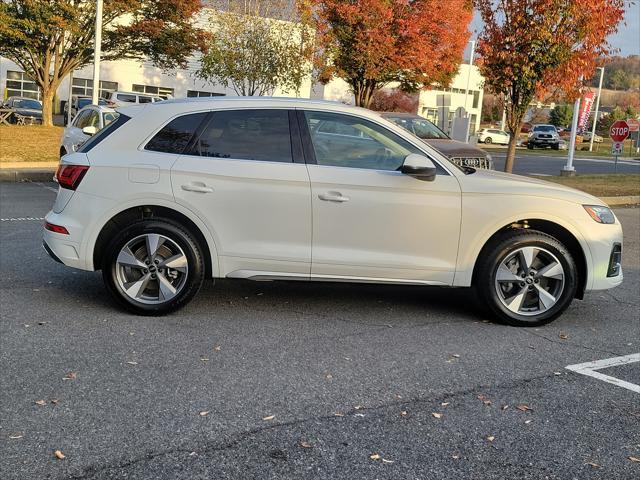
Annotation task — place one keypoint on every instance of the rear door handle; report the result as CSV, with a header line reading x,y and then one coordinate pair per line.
x,y
197,187
333,197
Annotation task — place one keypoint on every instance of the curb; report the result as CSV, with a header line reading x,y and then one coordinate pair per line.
x,y
624,200
27,175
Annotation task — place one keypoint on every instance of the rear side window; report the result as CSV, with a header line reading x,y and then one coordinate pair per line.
x,y
246,135
104,133
126,98
142,99
174,137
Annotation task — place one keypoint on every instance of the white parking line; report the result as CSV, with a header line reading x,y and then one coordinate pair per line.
x,y
22,219
589,369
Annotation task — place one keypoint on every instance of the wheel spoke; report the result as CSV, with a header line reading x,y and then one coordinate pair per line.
x,y
527,256
176,262
153,243
166,290
546,299
553,270
128,259
515,303
135,289
505,275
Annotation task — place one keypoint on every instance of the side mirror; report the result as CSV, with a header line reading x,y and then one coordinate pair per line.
x,y
419,166
90,130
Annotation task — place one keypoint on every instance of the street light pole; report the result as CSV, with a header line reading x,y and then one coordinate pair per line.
x,y
595,116
569,170
466,92
97,52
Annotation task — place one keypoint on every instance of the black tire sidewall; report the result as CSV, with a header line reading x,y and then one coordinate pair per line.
x,y
176,233
500,250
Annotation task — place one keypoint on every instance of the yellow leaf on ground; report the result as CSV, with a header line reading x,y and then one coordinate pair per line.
x,y
59,455
270,417
204,414
437,415
375,456
41,402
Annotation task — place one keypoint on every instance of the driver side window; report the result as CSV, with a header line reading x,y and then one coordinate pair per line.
x,y
347,141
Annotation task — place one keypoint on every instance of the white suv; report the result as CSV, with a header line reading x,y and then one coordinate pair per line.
x,y
174,192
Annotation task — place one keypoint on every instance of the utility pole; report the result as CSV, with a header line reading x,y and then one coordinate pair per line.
x,y
466,92
69,99
595,116
97,52
568,170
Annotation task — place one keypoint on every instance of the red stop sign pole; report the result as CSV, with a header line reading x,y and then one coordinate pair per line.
x,y
619,131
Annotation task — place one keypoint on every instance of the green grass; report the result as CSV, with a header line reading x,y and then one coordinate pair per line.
x,y
609,185
29,143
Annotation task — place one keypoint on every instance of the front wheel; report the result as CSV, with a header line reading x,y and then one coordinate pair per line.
x,y
488,140
526,278
153,267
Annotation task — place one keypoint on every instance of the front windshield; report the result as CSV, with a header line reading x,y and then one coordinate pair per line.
x,y
545,128
32,104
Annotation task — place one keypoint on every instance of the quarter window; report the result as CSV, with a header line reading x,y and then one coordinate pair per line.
x,y
367,145
246,135
174,137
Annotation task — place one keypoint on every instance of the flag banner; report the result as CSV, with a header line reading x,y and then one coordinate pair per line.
x,y
585,109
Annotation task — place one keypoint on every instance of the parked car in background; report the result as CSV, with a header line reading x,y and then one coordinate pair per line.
x,y
526,127
586,137
78,102
543,136
493,135
120,99
460,153
89,121
251,188
25,111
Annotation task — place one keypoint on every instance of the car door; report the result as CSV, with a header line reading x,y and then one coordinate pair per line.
x,y
370,221
240,176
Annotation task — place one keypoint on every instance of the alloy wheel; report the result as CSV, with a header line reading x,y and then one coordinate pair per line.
x,y
151,269
529,281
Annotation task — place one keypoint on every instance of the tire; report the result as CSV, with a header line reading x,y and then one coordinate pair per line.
x,y
556,146
550,280
530,146
488,140
153,286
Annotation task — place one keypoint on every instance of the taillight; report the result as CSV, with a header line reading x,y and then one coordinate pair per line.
x,y
70,176
55,228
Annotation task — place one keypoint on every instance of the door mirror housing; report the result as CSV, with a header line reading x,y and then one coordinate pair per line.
x,y
90,130
419,166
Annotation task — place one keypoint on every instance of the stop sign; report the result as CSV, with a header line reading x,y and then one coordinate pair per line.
x,y
619,131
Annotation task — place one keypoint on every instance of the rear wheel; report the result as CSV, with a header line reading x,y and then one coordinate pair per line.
x,y
488,140
153,267
526,278
530,145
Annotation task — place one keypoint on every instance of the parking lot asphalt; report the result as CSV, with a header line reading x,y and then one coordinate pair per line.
x,y
549,164
301,380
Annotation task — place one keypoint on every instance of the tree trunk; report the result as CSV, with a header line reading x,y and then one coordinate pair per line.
x,y
511,153
47,106
515,117
363,92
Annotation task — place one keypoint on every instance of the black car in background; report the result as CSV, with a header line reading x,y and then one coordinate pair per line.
x,y
459,153
25,111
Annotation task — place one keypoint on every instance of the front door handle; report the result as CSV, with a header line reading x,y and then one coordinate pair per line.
x,y
333,197
197,187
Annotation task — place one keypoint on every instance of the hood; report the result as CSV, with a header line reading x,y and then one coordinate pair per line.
x,y
454,148
28,112
492,182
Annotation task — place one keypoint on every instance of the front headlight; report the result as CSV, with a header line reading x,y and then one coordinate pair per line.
x,y
600,214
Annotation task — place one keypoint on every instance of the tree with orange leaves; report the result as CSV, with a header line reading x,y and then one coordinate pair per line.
x,y
529,48
371,43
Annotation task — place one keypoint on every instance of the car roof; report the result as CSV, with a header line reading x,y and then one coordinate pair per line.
x,y
401,114
249,100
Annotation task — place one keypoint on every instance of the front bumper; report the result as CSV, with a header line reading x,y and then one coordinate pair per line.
x,y
603,243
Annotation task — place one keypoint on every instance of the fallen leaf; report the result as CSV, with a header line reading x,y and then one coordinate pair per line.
x,y
216,348
444,404
15,437
504,407
527,422
192,454
455,457
359,415
132,363
205,413
634,459
487,402
436,415
270,417
329,376
557,373
563,336
338,414
384,460
59,455
524,408
482,397
306,445
455,355
204,359
592,464
358,407
55,401
403,413
41,402
491,438
375,456
71,376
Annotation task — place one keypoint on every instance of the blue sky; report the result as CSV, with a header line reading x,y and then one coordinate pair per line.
x,y
627,40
